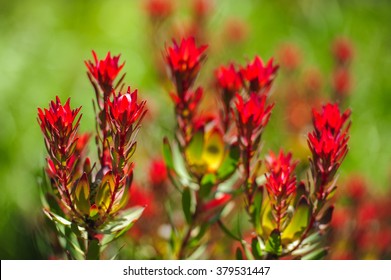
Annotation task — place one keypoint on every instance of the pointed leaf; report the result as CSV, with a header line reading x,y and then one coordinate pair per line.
x,y
273,244
82,195
56,218
124,220
213,150
316,255
207,183
298,223
167,154
93,250
230,163
256,248
186,205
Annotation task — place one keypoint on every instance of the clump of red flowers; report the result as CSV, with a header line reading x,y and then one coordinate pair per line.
x,y
328,144
93,196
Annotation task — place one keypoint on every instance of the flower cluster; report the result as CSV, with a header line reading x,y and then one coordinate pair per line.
x,y
93,198
328,144
280,183
59,125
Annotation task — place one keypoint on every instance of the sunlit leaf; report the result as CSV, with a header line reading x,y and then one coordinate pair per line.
x,y
316,255
207,183
298,223
230,163
167,154
256,248
213,150
273,244
82,195
124,220
56,218
194,149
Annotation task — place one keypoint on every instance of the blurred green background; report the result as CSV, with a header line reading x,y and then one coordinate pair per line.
x,y
43,45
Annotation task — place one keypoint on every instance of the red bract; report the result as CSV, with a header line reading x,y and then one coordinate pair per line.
x,y
229,80
184,61
328,143
59,125
104,71
159,9
252,116
124,111
280,180
258,75
158,172
341,81
342,50
330,119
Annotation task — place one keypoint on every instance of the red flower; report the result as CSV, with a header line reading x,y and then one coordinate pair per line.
x,y
330,119
280,184
158,172
289,57
59,125
341,81
124,111
328,143
252,116
184,61
159,9
202,8
229,79
342,50
104,71
280,180
259,76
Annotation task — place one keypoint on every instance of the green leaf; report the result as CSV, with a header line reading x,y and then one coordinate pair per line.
x,y
273,244
93,250
82,195
194,152
207,183
186,205
256,211
56,218
256,248
298,223
167,154
227,231
239,254
247,251
316,255
230,163
123,221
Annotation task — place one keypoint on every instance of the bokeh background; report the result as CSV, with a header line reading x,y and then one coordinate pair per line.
x,y
43,46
